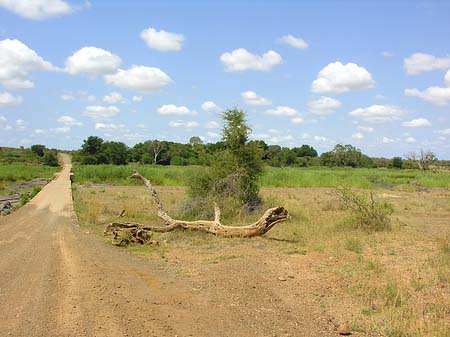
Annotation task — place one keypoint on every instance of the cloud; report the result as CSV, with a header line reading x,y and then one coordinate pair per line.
x,y
410,140
444,132
67,97
137,99
251,98
242,60
365,128
7,99
69,121
324,105
288,112
338,78
387,53
140,78
212,125
211,107
417,123
114,98
419,63
283,111
447,78
182,124
17,61
293,41
378,113
38,9
101,112
435,95
212,134
388,140
92,61
297,120
109,127
162,40
91,98
357,135
64,129
172,109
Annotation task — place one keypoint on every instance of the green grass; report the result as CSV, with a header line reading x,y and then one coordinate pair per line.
x,y
273,177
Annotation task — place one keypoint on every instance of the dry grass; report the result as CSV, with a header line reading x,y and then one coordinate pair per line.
x,y
397,282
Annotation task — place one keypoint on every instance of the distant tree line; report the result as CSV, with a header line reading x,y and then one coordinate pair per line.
x,y
95,151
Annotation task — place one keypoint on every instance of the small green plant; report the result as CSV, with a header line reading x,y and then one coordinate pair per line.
x,y
366,213
354,245
24,199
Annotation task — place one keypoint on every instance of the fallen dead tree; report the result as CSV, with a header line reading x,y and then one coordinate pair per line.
x,y
134,232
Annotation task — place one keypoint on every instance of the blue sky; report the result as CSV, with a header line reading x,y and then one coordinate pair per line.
x,y
375,74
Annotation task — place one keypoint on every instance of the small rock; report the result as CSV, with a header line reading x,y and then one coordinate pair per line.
x,y
280,278
344,330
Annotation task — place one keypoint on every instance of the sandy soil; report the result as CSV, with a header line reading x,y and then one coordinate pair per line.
x,y
57,280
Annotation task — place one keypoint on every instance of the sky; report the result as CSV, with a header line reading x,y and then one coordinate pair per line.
x,y
374,74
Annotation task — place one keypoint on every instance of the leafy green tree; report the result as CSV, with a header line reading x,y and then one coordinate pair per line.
x,y
115,153
92,146
38,149
305,151
235,169
397,162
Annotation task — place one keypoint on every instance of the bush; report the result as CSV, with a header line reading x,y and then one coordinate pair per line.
x,y
50,159
367,214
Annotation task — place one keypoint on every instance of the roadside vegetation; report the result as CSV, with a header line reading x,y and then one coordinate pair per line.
x,y
272,176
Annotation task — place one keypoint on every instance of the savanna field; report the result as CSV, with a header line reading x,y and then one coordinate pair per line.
x,y
391,282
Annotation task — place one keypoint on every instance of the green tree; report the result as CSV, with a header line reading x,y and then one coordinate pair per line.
x,y
397,162
115,153
92,146
235,169
38,149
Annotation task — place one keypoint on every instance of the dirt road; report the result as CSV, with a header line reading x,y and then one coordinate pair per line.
x,y
56,280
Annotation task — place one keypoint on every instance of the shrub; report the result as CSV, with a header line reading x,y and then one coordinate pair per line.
x,y
367,213
50,159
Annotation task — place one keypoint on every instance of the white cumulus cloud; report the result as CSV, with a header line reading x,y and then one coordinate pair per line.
x,y
211,107
365,128
324,105
137,99
162,40
283,111
338,78
212,125
183,124
293,41
38,9
420,62
69,121
444,132
8,99
140,78
447,78
114,98
388,140
410,140
172,109
17,60
251,98
67,97
417,123
242,60
92,61
378,113
101,112
357,135
435,95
